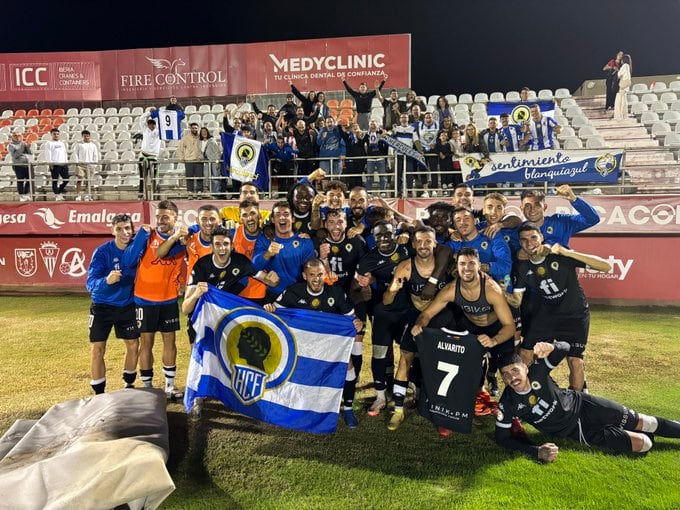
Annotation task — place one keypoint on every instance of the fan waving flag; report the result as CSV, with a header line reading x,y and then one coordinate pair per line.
x,y
244,160
287,368
519,112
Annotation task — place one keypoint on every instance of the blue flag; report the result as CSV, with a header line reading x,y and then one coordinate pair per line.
x,y
519,112
245,160
287,368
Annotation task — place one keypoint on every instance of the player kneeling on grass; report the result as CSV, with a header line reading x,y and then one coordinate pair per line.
x,y
110,281
314,294
533,396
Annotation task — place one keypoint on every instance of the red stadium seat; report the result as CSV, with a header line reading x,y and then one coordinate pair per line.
x,y
45,111
45,120
58,121
32,113
5,122
58,111
332,103
32,137
20,114
347,103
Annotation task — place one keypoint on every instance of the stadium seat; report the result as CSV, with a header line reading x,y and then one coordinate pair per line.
x,y
562,93
573,111
110,145
531,96
672,117
189,109
137,111
649,98
674,85
333,103
462,118
513,96
638,108
31,137
72,112
669,97
573,143
497,97
46,112
125,135
20,114
195,118
658,86
658,106
462,108
676,105
432,99
586,132
595,142
545,94
579,121
32,113
649,118
568,103
112,120
97,111
208,117
452,99
639,88
6,114
5,122
111,111
660,130
31,121
481,97
347,103
21,122
566,132
85,112
480,119
204,108
478,107
465,99
108,136
672,140
217,108
125,110
100,121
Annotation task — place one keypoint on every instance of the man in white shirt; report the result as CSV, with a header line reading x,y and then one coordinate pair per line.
x,y
56,156
86,156
148,156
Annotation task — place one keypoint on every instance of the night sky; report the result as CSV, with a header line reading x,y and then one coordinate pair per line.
x,y
456,46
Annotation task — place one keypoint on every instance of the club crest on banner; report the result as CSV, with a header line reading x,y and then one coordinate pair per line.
x,y
520,113
245,152
49,251
605,164
257,351
25,261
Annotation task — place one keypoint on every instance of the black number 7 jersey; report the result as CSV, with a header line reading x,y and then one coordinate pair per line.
x,y
451,363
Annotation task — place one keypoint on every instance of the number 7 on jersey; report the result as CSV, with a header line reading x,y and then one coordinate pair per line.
x,y
451,371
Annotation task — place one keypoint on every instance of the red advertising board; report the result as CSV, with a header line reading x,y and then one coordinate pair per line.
x,y
620,214
644,269
47,261
65,218
322,64
199,71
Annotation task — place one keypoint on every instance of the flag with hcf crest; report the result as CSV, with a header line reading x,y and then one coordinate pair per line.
x,y
245,160
287,368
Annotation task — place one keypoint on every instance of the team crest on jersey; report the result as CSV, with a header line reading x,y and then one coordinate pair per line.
x,y
484,245
554,265
315,303
394,257
257,351
331,301
222,275
296,243
549,230
506,239
520,113
532,400
235,271
348,247
298,225
25,261
605,164
540,270
536,385
335,249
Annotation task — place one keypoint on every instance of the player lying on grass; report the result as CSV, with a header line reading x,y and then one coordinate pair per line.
x,y
534,397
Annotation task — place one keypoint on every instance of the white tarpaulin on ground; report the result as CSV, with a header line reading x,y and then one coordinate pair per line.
x,y
93,453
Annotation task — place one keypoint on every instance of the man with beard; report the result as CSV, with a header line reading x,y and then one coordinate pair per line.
x,y
300,198
485,313
415,274
156,293
224,269
560,309
377,268
305,142
441,220
286,253
314,294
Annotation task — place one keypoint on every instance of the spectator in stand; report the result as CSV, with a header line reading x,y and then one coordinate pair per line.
x,y
412,100
407,134
458,152
473,142
305,143
57,157
416,114
612,70
375,146
174,105
212,173
267,133
281,123
288,109
524,94
427,133
449,126
355,143
86,156
443,110
19,151
393,107
444,152
189,153
492,136
249,119
320,107
621,101
363,100
148,155
540,131
269,116
331,145
228,128
282,158
510,135
307,102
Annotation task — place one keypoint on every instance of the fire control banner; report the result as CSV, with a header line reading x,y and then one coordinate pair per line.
x,y
211,70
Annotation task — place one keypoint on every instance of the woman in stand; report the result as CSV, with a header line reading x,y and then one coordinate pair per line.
x,y
612,69
624,74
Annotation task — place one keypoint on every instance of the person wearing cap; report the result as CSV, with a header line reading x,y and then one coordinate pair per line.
x,y
533,396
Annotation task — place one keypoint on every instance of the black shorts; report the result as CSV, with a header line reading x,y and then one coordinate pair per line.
x,y
497,352
604,423
163,318
443,319
105,317
573,330
388,325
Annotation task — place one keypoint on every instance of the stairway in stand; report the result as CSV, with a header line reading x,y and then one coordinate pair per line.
x,y
651,167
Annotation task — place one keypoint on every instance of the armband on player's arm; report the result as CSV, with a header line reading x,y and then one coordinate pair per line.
x,y
560,352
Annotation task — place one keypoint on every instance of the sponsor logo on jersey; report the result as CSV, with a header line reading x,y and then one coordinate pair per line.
x,y
257,351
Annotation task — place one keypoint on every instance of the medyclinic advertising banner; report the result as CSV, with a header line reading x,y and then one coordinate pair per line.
x,y
211,70
556,166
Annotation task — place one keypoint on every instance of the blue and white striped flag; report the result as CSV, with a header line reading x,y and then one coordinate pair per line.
x,y
519,112
287,368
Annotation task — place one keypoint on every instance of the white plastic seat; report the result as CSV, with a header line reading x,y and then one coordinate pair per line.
x,y
562,93
632,98
99,120
586,132
638,108
478,107
573,111
137,111
208,117
649,118
595,142
111,111
513,96
126,145
568,102
85,112
497,97
217,108
125,110
658,106
110,145
674,85
452,99
672,117
432,99
639,88
460,108
649,98
658,86
195,118
668,97
112,120
545,94
97,111
566,132
7,113
190,109
465,99
481,97
204,108
579,121
108,136
125,135
72,112
672,140
660,129
573,143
